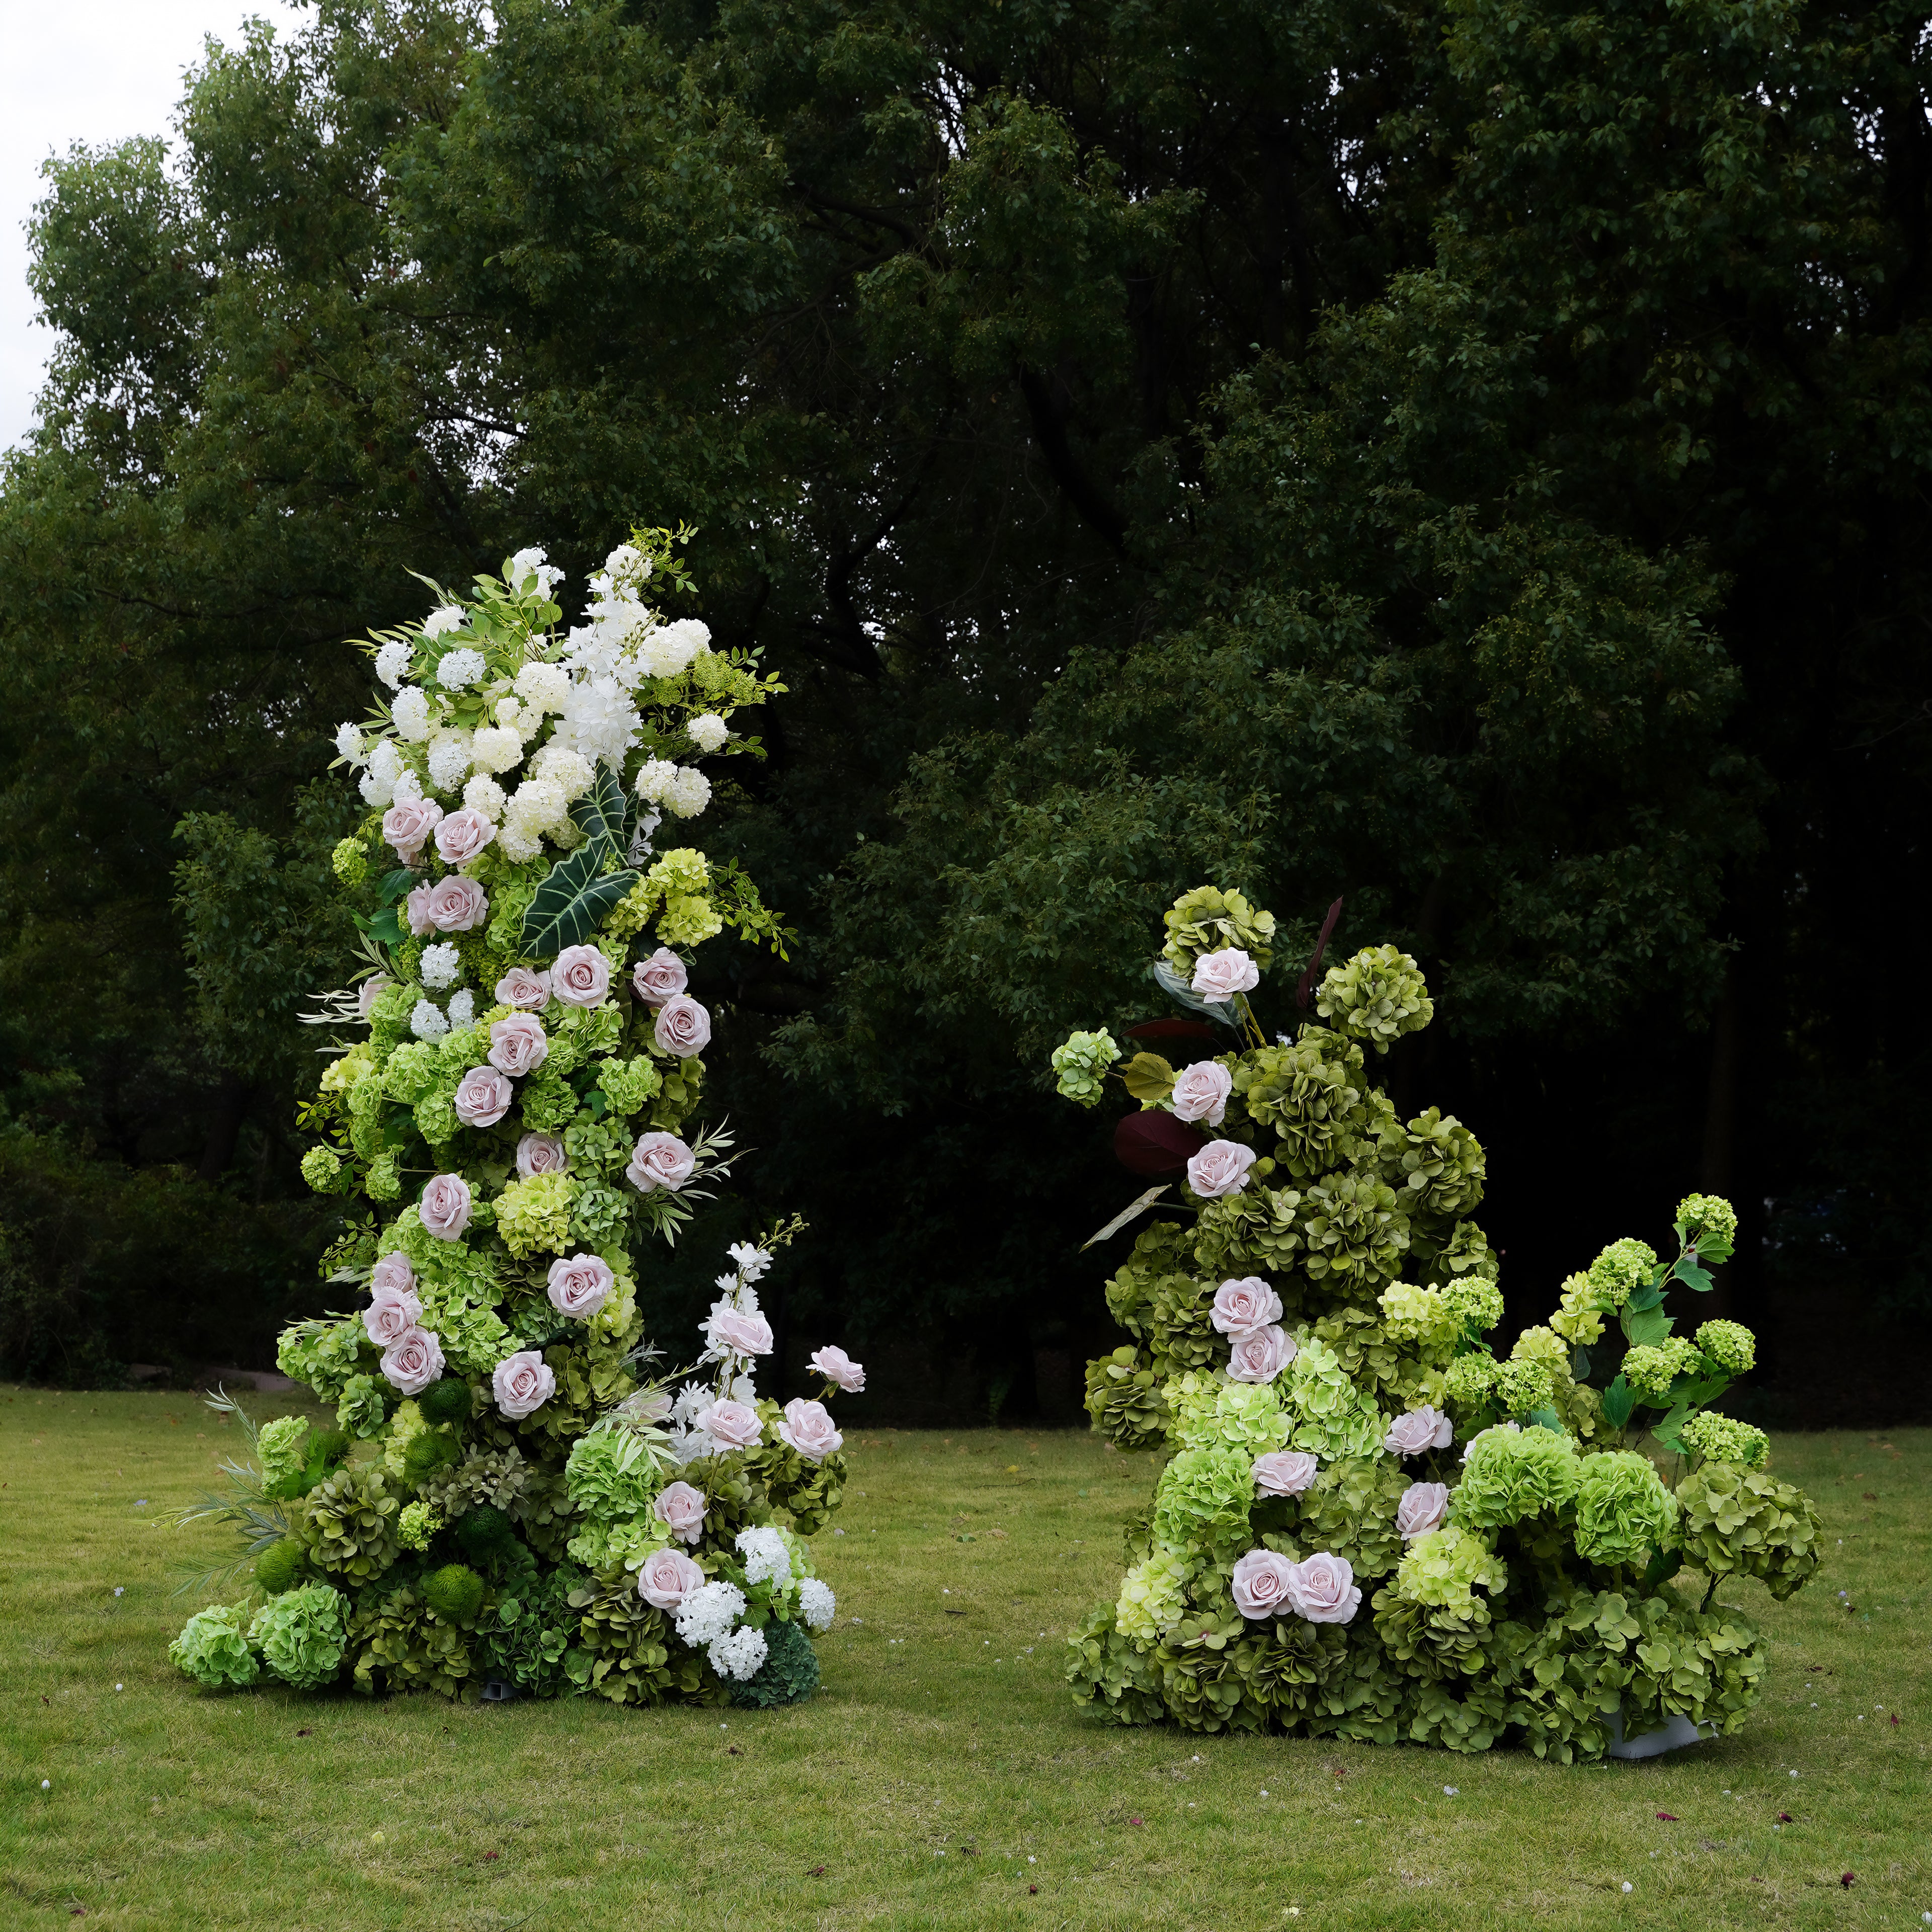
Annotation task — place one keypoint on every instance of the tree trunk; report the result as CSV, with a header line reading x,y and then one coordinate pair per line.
x,y
224,1126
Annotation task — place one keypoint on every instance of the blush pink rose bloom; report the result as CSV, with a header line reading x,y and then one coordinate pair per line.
x,y
540,1154
1220,1167
1322,1589
406,826
445,1206
462,835
668,1578
457,905
1286,1472
581,975
392,1275
1261,1583
1243,1305
731,1425
680,1508
808,1428
518,1045
1423,1507
580,1285
523,1382
413,1360
660,1160
482,1097
1419,1430
391,1315
1261,1355
520,987
683,1027
660,977
1200,1092
742,1334
1219,976
371,990
836,1366
415,910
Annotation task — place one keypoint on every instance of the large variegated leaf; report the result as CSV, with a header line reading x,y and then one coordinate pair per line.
x,y
603,813
575,896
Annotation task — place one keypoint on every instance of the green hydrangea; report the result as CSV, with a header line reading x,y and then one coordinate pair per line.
x,y
1333,1419
472,1335
1434,1164
1310,1091
1419,1315
1153,1596
1541,1345
409,1072
1469,1383
628,1084
1718,1439
1621,1270
349,1526
417,1525
1475,1301
322,1169
1203,1498
322,1354
1623,1512
1209,919
612,1473
350,861
1728,1348
1125,1399
1511,1474
1210,1412
303,1634
1080,1067
1578,1318
212,1648
689,920
1353,1232
279,1449
1522,1387
1441,1569
435,1116
362,1409
1710,1220
1650,1368
533,1216
1376,998
1741,1521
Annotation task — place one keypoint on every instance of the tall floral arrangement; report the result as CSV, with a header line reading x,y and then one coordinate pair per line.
x,y
1369,1522
510,1494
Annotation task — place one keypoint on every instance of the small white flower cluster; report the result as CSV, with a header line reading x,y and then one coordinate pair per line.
x,y
682,790
816,1603
767,1559
427,1021
441,966
707,1619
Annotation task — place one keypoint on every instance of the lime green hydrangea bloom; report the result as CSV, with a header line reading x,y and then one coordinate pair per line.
x,y
1379,995
324,1355
279,1449
1621,1270
1578,1318
1209,920
1543,1345
1203,1498
350,861
1210,1412
1709,1219
605,1546
533,1216
1469,1382
322,1169
409,1072
416,1526
1419,1315
382,1182
628,1084
1080,1067
212,1648
1333,1419
546,1101
361,1410
435,1115
1728,1348
1153,1596
1717,1438
302,1635
1521,1387
1475,1301
1623,1512
1441,1570
1651,1369
1511,1474
473,1335
339,1075
612,1473
409,1423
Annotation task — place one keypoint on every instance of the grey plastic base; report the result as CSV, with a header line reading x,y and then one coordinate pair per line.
x,y
1673,1736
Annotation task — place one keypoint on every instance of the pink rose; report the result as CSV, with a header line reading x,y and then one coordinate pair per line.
x,y
836,1365
457,905
1261,1355
683,1027
1322,1589
413,1360
1261,1583
518,1045
1243,1305
659,977
1419,1430
680,1508
1220,1168
742,1334
406,826
540,1154
415,910
462,835
807,1427
391,1316
731,1425
1287,1472
371,989
392,1275
1200,1092
445,1206
523,1382
1220,976
579,1286
1423,1507
660,1160
483,1097
668,1578
520,987
581,975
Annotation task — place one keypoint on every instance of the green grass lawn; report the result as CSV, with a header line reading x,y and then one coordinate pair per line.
x,y
941,1775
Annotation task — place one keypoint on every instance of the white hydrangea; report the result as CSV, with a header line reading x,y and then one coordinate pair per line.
x,y
688,793
449,759
766,1558
348,742
460,668
670,650
446,617
518,846
656,777
816,1603
709,732
441,965
533,562
427,1023
485,795
569,771
497,748
543,687
709,1612
741,1655
462,1007
392,661
379,781
411,712
599,721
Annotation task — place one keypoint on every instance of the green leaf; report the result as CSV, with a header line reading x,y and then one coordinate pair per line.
x,y
1139,1205
1619,1400
1688,1272
603,812
570,901
1648,1296
1580,1363
1648,1327
385,927
395,886
1148,1078
1547,1418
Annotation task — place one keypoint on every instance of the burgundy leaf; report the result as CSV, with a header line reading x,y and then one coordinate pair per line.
x,y
1308,979
1156,1144
1172,1029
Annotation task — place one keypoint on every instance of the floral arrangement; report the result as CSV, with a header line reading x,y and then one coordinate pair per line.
x,y
1370,1523
508,1495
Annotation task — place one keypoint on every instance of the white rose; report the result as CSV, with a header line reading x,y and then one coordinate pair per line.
x,y
1220,1167
1200,1092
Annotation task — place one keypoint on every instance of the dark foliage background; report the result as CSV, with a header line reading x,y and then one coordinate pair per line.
x,y
1469,456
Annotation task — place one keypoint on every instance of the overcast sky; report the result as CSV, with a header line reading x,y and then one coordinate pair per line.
x,y
92,70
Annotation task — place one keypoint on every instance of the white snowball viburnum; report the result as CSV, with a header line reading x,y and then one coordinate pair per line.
x,y
411,713
688,793
709,1613
671,648
449,760
392,661
740,1656
460,668
441,965
497,748
426,1022
348,742
656,777
569,771
766,1558
462,1007
816,1603
543,687
445,618
708,732
378,786
599,721
484,794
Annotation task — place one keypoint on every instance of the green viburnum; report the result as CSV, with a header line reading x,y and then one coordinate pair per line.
x,y
1209,920
1741,1521
1522,1387
382,1182
303,1635
1333,1419
1543,1345
1651,1368
1080,1067
322,1169
1210,1412
1153,1596
1475,1301
533,1216
1728,1348
1203,1498
1511,1473
350,861
1470,1382
1717,1438
1621,1270
416,1526
1377,997
279,1448
435,1115
212,1648
1442,1568
1419,1315
546,1101
1623,1512
1709,1220
1578,1318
